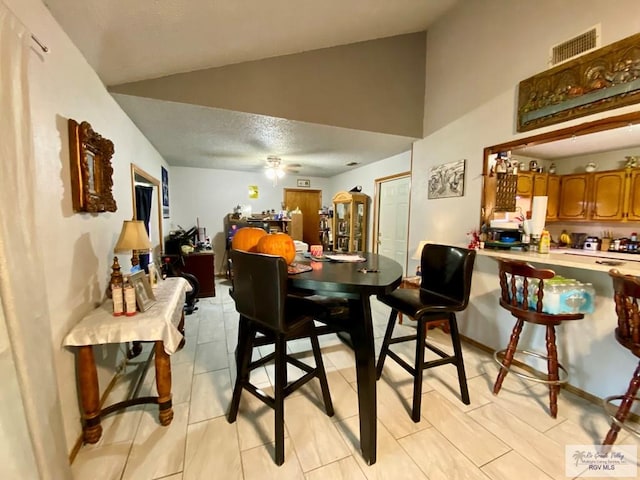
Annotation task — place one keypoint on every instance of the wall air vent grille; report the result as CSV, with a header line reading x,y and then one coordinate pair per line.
x,y
576,46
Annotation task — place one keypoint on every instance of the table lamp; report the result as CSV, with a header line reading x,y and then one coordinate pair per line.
x,y
134,238
417,255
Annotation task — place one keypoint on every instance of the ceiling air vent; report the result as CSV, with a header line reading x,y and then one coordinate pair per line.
x,y
576,46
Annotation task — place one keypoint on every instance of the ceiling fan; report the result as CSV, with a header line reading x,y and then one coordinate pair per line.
x,y
275,169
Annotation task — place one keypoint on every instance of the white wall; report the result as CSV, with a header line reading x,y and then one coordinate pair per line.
x,y
209,195
77,248
366,177
476,56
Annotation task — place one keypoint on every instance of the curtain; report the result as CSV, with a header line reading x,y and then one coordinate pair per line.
x,y
24,307
143,212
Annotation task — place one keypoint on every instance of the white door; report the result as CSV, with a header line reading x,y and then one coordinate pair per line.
x,y
393,218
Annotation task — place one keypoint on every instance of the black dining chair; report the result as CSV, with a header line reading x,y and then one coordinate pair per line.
x,y
260,295
444,290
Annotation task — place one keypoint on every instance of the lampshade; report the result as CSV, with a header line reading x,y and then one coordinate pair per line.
x,y
417,255
133,237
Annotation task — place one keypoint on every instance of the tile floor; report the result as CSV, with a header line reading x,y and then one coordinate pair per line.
x,y
496,437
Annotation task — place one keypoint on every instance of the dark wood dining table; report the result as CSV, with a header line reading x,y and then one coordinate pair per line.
x,y
356,282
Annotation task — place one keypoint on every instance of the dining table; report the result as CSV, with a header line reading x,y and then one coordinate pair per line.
x,y
355,278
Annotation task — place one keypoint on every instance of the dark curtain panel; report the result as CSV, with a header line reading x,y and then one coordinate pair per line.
x,y
143,212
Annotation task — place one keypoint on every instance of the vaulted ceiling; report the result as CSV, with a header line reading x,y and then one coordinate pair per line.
x,y
128,43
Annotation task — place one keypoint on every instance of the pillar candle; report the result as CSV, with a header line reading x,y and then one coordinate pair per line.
x,y
118,300
130,300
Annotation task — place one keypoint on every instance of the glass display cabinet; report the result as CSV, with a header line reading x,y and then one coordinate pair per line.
x,y
350,222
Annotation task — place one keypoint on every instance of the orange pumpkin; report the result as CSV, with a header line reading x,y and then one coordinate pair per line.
x,y
247,238
278,244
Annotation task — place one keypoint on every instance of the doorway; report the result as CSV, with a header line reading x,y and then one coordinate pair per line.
x,y
391,217
309,202
140,177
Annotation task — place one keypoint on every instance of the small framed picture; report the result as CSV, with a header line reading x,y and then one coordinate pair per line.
x,y
144,294
304,182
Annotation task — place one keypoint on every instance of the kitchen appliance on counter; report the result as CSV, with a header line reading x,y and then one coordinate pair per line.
x,y
503,238
591,243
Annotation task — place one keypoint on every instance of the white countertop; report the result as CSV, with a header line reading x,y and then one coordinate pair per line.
x,y
574,258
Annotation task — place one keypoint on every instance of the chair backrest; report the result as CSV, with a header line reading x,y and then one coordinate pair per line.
x,y
522,285
626,292
260,287
447,272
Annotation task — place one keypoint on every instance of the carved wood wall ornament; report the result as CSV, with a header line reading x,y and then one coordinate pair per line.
x,y
91,170
598,81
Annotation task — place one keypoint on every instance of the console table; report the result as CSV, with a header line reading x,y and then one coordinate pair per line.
x,y
163,324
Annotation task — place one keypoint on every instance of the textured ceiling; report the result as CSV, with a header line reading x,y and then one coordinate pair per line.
x,y
125,40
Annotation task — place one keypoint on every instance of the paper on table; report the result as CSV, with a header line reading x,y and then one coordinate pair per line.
x,y
346,258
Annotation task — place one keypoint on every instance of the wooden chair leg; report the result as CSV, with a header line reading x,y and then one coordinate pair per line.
x,y
552,369
385,343
322,375
624,408
419,369
281,383
457,351
508,356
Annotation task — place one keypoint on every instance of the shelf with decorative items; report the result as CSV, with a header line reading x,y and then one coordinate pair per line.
x,y
350,221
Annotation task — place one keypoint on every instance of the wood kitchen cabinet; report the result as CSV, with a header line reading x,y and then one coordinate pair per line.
x,y
532,184
574,197
633,197
525,184
608,197
553,196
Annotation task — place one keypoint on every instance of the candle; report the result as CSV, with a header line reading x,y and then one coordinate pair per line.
x,y
130,300
118,300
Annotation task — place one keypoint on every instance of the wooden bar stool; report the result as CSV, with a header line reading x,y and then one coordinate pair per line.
x,y
626,290
521,293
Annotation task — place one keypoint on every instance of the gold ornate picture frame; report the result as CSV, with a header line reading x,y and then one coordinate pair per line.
x,y
602,80
91,170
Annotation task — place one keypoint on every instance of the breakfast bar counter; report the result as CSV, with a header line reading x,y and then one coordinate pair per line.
x,y
626,263
597,364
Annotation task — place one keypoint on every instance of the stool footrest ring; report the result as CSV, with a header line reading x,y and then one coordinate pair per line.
x,y
562,372
612,409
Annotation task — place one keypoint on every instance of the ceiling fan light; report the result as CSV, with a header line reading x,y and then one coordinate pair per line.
x,y
280,172
270,173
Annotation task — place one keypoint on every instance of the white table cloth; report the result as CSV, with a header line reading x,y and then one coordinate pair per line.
x,y
160,322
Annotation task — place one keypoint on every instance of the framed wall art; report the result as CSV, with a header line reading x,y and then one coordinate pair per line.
x,y
304,182
91,170
165,193
604,79
446,180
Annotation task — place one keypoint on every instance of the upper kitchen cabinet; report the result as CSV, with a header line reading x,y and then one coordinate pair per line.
x,y
574,197
608,198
